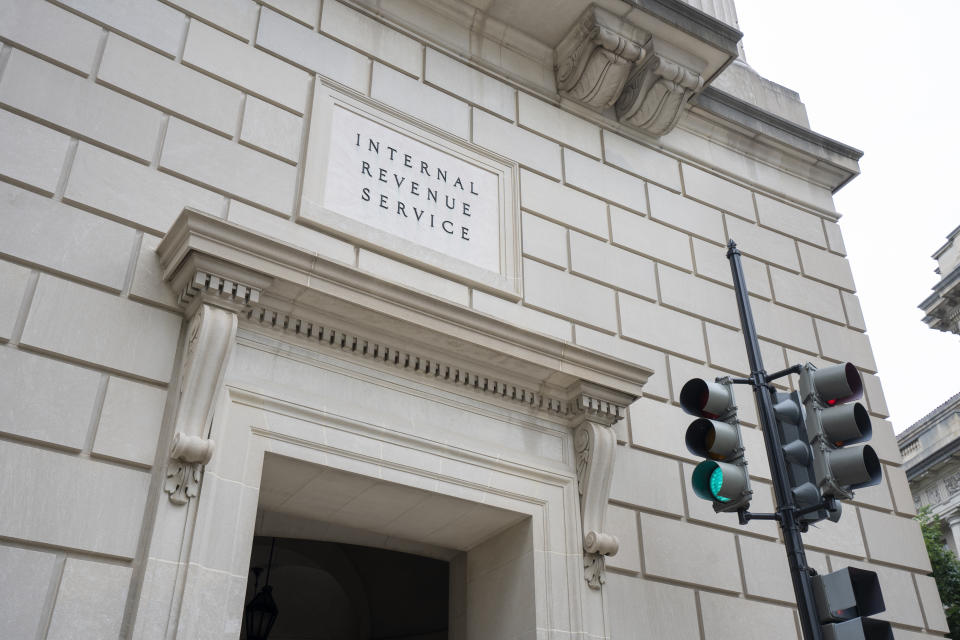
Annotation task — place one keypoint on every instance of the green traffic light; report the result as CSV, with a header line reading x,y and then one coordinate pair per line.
x,y
719,481
702,480
716,483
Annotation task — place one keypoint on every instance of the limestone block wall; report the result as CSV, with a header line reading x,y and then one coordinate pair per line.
x,y
114,116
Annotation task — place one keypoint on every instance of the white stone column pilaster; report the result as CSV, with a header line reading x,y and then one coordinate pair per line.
x,y
953,521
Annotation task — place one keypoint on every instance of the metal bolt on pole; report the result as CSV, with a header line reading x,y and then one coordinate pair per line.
x,y
786,508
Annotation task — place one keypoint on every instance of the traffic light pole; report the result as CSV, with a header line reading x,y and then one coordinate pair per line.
x,y
786,512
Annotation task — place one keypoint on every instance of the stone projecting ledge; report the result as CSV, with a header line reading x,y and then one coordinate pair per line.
x,y
640,61
647,65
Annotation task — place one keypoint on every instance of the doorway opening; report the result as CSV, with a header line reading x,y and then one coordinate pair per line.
x,y
469,564
337,591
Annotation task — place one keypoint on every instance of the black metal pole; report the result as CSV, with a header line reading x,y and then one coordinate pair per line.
x,y
786,507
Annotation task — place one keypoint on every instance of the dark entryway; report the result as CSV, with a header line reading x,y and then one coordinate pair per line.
x,y
334,591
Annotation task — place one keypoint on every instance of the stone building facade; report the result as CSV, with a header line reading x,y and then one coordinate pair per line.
x,y
418,276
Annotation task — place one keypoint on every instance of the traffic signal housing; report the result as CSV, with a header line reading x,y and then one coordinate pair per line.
x,y
844,600
798,456
723,477
834,422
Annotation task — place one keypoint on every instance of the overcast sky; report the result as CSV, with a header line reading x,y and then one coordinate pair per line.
x,y
880,75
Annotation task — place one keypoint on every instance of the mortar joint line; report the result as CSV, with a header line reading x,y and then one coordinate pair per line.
x,y
132,265
161,138
25,305
98,56
95,415
53,592
182,45
66,168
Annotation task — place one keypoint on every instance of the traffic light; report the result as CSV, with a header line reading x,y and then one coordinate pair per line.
x,y
844,599
798,455
833,425
715,435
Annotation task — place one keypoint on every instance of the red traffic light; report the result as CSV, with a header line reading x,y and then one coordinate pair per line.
x,y
838,383
705,399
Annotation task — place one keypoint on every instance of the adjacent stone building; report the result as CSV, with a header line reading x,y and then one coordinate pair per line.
x,y
942,307
325,288
929,449
930,446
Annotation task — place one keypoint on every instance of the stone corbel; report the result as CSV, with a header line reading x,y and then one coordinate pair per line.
x,y
595,409
593,61
210,338
654,96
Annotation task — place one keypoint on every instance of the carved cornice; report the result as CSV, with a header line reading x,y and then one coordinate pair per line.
x,y
275,285
210,336
654,97
202,257
595,58
411,360
582,401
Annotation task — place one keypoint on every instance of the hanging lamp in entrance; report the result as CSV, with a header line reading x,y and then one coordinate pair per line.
x,y
260,613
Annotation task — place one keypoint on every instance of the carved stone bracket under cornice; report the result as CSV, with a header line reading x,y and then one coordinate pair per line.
x,y
595,58
644,67
595,444
210,336
655,95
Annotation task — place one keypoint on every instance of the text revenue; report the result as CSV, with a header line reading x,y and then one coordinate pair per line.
x,y
390,181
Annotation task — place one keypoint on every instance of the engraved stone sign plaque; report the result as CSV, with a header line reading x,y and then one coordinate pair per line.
x,y
411,192
390,181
